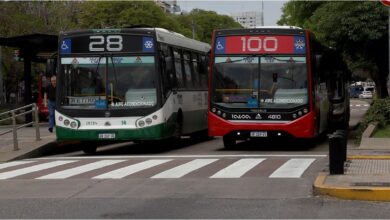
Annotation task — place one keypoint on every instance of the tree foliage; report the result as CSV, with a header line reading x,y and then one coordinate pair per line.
x,y
357,30
52,17
205,22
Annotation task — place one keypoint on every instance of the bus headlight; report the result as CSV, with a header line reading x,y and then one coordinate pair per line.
x,y
73,124
219,112
305,110
148,121
60,118
154,117
66,122
213,110
141,123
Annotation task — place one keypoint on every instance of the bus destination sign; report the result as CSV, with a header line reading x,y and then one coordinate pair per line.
x,y
260,44
107,43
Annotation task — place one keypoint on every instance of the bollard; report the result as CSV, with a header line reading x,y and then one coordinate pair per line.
x,y
36,122
344,134
14,131
336,162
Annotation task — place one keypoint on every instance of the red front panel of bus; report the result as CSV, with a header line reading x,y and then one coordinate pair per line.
x,y
303,127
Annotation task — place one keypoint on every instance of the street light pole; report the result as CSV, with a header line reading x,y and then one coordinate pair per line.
x,y
1,78
262,12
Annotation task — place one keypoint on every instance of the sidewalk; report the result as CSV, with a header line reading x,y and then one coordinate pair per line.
x,y
366,174
28,146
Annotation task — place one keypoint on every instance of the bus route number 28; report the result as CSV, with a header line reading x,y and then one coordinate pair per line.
x,y
256,44
109,43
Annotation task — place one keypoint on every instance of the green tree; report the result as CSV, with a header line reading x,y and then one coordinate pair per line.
x,y
357,30
122,14
204,23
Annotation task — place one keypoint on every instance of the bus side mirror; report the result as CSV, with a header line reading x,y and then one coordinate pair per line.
x,y
51,67
168,65
204,63
317,61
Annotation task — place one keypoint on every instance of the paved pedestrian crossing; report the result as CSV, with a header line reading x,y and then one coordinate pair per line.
x,y
156,168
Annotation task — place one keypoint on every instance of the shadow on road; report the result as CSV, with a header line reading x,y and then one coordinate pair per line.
x,y
74,148
278,145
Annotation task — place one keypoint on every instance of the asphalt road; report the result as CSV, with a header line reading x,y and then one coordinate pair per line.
x,y
177,180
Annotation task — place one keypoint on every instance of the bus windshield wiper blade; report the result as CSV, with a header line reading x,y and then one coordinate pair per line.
x,y
234,61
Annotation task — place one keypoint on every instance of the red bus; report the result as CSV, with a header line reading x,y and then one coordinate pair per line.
x,y
264,83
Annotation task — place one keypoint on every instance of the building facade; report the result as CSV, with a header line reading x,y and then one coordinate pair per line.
x,y
168,6
249,19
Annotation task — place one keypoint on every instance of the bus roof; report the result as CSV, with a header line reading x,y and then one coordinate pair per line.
x,y
162,35
288,30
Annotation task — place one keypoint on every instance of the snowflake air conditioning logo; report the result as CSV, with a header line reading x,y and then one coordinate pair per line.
x,y
299,45
148,44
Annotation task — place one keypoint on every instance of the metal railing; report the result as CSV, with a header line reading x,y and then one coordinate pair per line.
x,y
12,114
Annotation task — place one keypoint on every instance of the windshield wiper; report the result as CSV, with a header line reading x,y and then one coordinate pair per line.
x,y
116,80
234,61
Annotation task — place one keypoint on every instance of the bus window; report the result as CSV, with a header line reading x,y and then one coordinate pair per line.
x,y
203,72
195,67
187,70
178,68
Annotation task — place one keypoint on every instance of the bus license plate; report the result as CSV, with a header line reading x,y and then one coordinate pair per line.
x,y
258,134
107,136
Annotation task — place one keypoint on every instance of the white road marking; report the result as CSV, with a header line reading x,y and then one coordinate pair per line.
x,y
134,168
39,167
184,169
293,168
14,163
237,169
80,169
185,156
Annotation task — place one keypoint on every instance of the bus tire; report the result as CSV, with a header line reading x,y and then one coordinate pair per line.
x,y
90,149
229,142
179,125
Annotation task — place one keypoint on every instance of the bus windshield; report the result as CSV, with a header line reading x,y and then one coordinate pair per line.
x,y
108,82
260,82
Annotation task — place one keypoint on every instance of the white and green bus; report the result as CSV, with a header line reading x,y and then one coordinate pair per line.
x,y
130,84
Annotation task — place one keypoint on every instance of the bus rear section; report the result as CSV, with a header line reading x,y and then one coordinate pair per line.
x,y
262,86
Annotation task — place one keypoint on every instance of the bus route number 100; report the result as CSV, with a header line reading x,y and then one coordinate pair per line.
x,y
256,44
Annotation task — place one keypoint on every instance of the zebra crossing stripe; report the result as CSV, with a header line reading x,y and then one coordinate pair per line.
x,y
237,169
184,169
14,163
126,171
293,168
80,169
39,167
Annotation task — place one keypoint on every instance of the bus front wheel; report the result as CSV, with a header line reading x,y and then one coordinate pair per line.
x,y
90,149
229,142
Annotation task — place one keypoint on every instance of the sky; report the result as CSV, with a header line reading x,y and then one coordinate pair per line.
x,y
272,9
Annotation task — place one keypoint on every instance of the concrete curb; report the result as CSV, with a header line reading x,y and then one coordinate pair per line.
x,y
350,193
37,152
371,157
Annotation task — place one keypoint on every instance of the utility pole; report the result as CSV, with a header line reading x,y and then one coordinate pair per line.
x,y
193,28
262,12
1,79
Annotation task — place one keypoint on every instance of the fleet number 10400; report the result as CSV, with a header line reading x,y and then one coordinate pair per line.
x,y
256,44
